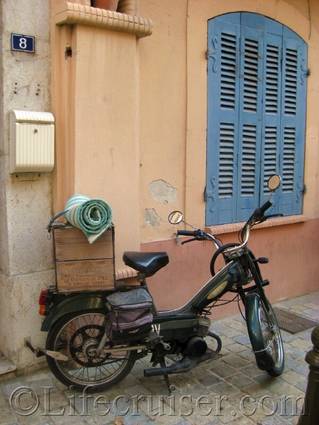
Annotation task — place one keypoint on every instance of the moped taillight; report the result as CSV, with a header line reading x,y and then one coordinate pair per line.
x,y
43,301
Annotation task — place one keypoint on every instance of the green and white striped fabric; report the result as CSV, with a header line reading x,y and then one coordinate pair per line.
x,y
92,216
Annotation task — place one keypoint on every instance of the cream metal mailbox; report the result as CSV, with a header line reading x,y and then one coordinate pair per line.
x,y
31,141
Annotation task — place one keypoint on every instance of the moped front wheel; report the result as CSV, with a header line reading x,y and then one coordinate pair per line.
x,y
265,335
76,336
274,349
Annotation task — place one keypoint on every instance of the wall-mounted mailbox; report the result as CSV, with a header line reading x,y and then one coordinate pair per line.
x,y
31,142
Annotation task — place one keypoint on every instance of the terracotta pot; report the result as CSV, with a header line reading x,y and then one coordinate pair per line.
x,y
128,7
105,4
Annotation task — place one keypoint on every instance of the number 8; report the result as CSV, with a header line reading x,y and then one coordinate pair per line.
x,y
23,43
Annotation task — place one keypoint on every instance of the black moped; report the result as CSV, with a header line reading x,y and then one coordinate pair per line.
x,y
82,351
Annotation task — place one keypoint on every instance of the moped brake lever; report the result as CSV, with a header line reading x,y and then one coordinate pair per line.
x,y
189,240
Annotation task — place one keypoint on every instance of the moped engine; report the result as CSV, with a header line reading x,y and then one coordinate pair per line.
x,y
196,347
204,324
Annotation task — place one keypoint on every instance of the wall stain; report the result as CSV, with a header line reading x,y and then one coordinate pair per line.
x,y
163,192
151,217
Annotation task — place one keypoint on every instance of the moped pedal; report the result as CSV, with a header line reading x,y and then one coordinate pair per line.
x,y
38,352
56,355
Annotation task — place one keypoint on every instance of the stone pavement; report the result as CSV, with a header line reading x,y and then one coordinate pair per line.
x,y
229,390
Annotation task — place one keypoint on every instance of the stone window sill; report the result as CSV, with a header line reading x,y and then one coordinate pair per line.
x,y
75,13
235,227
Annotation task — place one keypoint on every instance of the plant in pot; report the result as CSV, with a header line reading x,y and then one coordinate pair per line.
x,y
105,4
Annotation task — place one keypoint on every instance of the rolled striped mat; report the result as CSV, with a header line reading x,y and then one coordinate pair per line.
x,y
92,216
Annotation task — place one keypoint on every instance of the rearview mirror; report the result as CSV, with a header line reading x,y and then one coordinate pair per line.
x,y
175,217
273,182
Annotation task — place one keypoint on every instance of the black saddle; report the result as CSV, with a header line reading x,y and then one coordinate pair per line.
x,y
147,263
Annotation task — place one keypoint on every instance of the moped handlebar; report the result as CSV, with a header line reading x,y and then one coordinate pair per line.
x,y
186,233
265,207
259,213
257,216
199,235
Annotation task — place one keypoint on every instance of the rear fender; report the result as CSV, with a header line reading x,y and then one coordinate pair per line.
x,y
73,304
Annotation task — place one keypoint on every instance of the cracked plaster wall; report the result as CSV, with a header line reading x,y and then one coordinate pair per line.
x,y
163,192
162,117
25,205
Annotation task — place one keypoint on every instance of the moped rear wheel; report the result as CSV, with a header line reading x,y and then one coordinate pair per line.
x,y
77,337
272,352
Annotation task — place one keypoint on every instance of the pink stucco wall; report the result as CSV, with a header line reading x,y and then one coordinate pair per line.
x,y
293,270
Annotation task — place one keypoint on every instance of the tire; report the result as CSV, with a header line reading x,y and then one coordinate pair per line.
x,y
279,363
274,356
265,337
74,335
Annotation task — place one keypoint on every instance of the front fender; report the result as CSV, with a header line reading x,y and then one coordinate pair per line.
x,y
72,304
255,331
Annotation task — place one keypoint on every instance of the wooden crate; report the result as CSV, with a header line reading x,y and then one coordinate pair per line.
x,y
81,266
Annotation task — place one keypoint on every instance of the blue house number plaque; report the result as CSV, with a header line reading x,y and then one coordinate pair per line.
x,y
22,43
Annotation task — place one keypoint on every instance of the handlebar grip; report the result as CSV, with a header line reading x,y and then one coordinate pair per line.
x,y
185,233
265,207
259,213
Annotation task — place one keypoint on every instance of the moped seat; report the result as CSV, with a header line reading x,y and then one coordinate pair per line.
x,y
147,263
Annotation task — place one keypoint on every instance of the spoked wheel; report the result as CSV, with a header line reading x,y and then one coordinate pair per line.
x,y
77,337
271,353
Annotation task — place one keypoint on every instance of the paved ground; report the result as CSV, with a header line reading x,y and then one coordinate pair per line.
x,y
228,390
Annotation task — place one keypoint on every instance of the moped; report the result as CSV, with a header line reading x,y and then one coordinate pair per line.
x,y
82,352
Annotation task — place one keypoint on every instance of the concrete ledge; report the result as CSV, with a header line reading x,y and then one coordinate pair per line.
x,y
235,227
74,13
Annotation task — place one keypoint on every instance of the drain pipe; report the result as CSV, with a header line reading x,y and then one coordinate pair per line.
x,y
310,412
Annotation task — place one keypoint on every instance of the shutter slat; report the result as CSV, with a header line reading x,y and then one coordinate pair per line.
x,y
226,160
228,70
290,81
250,104
293,122
248,160
272,77
288,160
222,129
270,159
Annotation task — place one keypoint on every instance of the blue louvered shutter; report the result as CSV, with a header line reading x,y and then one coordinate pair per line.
x,y
293,102
250,114
256,116
223,119
271,130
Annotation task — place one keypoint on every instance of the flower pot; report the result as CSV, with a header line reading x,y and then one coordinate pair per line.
x,y
128,7
105,4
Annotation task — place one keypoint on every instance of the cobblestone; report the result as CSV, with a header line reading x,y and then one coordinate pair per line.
x,y
229,390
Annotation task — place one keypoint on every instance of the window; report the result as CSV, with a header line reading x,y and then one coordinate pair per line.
x,y
256,116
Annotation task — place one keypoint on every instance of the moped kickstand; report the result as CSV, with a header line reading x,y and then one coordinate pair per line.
x,y
170,387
